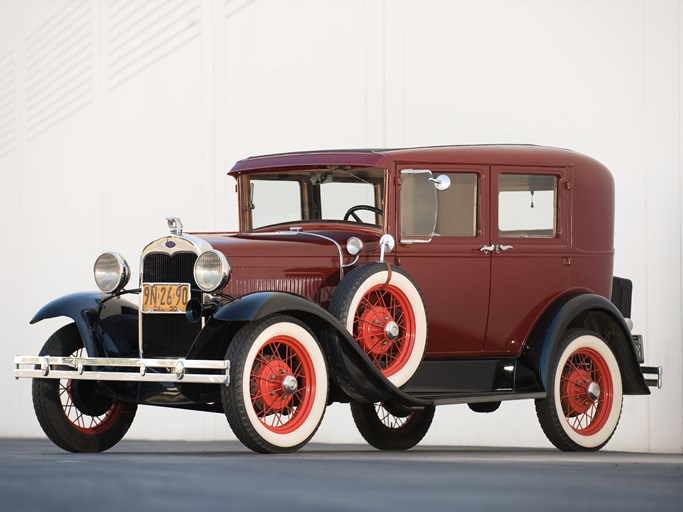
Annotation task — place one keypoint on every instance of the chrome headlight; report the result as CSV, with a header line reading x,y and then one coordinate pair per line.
x,y
111,272
354,246
211,271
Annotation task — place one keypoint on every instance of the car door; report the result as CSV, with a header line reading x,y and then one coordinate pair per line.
x,y
530,261
441,250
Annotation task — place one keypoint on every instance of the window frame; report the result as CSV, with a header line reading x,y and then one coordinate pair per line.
x,y
561,207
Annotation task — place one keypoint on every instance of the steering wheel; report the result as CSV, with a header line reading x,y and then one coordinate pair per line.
x,y
351,212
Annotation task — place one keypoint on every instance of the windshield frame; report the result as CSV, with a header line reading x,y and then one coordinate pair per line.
x,y
310,202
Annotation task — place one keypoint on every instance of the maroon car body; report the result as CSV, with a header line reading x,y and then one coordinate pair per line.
x,y
396,280
537,272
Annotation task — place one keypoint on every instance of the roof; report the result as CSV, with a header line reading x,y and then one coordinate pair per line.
x,y
508,154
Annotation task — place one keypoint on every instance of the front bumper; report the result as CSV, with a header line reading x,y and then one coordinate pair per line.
x,y
193,371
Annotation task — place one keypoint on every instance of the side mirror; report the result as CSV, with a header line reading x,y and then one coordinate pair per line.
x,y
386,245
441,182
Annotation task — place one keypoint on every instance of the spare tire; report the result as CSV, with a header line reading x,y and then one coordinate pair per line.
x,y
381,307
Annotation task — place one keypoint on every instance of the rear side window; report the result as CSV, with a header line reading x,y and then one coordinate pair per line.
x,y
527,206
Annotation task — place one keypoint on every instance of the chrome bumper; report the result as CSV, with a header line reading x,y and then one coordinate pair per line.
x,y
148,370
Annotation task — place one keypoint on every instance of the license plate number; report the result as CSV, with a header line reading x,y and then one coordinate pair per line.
x,y
165,298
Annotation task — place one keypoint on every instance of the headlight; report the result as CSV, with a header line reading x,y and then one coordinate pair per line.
x,y
354,245
211,271
111,272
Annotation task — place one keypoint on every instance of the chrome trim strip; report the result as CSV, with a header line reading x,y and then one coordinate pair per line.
x,y
176,369
184,243
298,231
352,263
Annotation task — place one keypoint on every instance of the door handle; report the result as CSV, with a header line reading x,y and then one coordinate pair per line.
x,y
503,248
487,249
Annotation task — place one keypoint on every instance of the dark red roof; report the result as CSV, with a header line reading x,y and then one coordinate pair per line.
x,y
511,154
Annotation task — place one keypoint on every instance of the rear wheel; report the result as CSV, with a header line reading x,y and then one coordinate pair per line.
x,y
278,387
388,428
74,414
583,406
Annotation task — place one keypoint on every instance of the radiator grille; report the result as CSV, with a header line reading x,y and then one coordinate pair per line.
x,y
164,268
168,335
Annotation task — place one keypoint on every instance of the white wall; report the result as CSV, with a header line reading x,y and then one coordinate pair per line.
x,y
115,114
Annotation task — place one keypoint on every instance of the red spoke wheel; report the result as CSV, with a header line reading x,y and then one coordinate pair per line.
x,y
278,390
74,414
385,314
584,401
388,428
81,414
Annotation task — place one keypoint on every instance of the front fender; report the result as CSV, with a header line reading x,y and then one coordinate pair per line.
x,y
107,328
349,367
569,312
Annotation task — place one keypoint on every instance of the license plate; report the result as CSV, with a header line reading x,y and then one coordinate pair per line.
x,y
165,298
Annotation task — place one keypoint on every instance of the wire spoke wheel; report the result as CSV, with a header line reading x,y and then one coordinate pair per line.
x,y
383,310
584,401
388,428
77,415
282,384
82,421
586,391
384,326
278,387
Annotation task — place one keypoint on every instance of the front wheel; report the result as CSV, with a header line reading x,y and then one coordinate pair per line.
x,y
387,428
583,406
74,414
278,387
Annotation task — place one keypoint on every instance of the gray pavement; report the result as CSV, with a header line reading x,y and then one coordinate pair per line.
x,y
174,476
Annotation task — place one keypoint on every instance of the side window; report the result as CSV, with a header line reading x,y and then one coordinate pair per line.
x,y
527,206
457,211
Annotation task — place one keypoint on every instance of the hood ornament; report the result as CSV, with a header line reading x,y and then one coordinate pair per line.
x,y
175,225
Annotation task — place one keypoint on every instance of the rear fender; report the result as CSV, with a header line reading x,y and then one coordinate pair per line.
x,y
349,367
589,311
108,328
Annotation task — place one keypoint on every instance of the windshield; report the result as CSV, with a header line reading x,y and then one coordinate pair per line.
x,y
327,195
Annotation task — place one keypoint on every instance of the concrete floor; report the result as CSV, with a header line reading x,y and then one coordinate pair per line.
x,y
175,476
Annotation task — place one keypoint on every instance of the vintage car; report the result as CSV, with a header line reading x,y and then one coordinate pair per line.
x,y
395,280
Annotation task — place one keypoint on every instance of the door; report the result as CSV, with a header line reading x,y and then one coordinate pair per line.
x,y
529,265
440,236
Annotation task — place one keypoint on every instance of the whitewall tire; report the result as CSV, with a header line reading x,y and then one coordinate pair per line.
x,y
583,406
384,312
278,389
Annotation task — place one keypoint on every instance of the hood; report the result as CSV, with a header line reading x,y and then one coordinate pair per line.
x,y
314,247
307,263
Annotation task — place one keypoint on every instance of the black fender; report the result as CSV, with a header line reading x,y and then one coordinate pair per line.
x,y
590,311
349,367
108,326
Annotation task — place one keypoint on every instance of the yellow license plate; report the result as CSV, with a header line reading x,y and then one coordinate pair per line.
x,y
165,298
